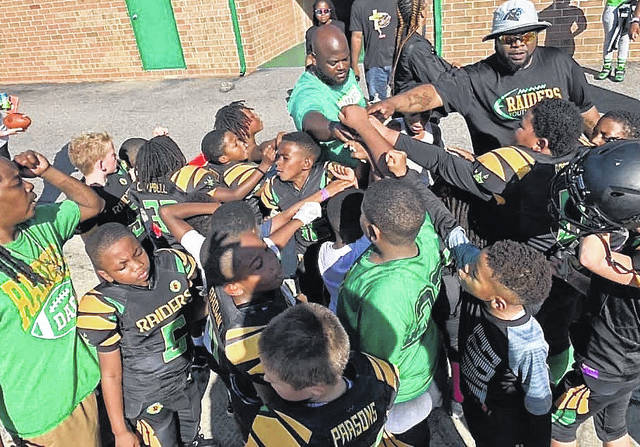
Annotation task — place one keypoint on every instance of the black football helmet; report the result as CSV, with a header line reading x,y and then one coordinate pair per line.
x,y
599,190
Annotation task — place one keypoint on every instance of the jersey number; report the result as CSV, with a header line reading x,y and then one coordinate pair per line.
x,y
155,206
174,347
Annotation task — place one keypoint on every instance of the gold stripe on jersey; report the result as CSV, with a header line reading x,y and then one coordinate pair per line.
x,y
300,429
148,434
95,322
267,195
240,331
584,141
115,338
388,440
519,161
91,304
187,261
243,350
240,171
271,432
251,442
385,372
492,163
188,178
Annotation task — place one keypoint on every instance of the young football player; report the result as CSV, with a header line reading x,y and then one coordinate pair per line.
x,y
137,321
326,395
94,156
616,125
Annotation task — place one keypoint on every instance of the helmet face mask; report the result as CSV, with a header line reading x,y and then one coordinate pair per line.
x,y
598,191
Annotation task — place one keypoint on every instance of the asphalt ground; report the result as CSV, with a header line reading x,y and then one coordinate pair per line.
x,y
187,109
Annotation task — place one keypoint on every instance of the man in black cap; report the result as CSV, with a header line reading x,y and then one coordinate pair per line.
x,y
495,93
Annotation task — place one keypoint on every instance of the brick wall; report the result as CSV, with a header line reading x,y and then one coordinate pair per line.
x,y
92,40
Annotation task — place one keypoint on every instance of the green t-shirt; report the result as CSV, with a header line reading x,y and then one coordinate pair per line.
x,y
616,3
311,94
45,369
386,310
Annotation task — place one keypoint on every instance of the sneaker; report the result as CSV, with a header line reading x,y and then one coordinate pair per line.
x,y
604,73
201,441
619,76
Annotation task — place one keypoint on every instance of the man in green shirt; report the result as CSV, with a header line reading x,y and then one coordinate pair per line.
x,y
47,373
323,90
386,299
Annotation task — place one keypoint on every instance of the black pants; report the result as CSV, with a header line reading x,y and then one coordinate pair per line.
x,y
173,423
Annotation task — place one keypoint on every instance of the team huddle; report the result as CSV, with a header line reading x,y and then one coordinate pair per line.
x,y
345,279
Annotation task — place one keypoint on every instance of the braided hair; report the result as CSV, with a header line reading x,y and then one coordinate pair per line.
x,y
157,159
232,118
408,24
14,268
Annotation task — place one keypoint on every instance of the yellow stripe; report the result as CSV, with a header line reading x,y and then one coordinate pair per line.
x,y
271,432
389,370
258,369
200,172
377,370
583,140
111,340
516,160
251,442
240,331
182,177
302,431
148,433
492,163
243,350
237,171
95,322
92,305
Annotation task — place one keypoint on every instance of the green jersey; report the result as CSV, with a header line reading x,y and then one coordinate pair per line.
x,y
386,310
310,94
617,3
45,369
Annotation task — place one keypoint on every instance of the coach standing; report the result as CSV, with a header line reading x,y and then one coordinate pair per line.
x,y
495,93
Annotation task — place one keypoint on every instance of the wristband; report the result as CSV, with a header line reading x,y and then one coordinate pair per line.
x,y
324,194
635,20
260,170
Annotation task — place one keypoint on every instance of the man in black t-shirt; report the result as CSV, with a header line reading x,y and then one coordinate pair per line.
x,y
495,93
375,21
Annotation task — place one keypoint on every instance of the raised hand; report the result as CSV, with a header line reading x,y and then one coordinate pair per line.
x,y
396,162
31,163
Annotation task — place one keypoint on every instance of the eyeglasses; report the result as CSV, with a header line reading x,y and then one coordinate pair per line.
x,y
322,11
510,39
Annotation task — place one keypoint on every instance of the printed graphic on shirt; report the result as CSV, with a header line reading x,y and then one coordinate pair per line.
x,y
46,310
352,96
380,20
574,402
479,363
515,103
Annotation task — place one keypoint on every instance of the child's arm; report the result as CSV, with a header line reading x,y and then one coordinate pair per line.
x,y
34,164
174,215
111,373
619,268
223,194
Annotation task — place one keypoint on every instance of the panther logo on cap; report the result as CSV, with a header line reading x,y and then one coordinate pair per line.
x,y
513,14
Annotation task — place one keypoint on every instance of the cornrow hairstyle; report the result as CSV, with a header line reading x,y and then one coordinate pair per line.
x,y
232,118
560,122
157,159
522,269
629,120
14,268
408,23
331,6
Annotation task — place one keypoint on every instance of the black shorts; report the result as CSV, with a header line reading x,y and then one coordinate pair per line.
x,y
579,396
165,423
505,428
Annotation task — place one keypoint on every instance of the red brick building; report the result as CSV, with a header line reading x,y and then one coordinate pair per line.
x,y
98,40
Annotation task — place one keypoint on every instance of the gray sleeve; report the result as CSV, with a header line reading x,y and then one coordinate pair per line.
x,y
528,359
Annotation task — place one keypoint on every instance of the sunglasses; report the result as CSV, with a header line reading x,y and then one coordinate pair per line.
x,y
510,39
323,11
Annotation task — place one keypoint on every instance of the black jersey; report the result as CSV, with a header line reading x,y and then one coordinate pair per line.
x,y
149,198
147,324
279,195
235,174
190,179
118,207
237,330
354,419
607,338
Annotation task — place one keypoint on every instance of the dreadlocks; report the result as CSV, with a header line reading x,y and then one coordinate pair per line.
x,y
408,23
13,267
232,118
157,159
